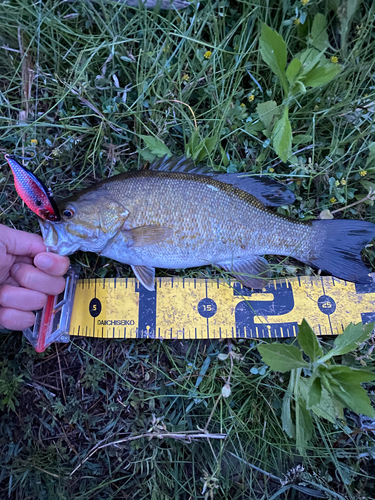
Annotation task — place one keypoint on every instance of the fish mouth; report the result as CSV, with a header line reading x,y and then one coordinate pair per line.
x,y
56,239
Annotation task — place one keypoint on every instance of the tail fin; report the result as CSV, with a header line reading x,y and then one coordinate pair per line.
x,y
340,252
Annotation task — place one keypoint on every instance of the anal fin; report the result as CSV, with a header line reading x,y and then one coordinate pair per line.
x,y
254,272
146,276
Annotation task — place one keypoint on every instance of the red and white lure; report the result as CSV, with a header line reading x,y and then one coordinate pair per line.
x,y
52,322
33,192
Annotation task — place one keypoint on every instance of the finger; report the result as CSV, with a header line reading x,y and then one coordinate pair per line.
x,y
23,258
51,263
21,298
32,278
20,242
12,319
11,281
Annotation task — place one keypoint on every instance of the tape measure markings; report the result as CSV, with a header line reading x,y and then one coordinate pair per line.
x,y
190,308
325,299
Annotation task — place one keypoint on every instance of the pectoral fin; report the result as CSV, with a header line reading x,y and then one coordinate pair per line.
x,y
148,235
253,272
146,276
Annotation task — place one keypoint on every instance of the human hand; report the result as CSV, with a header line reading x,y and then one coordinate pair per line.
x,y
27,275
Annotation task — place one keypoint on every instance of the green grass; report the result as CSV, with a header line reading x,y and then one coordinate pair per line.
x,y
106,75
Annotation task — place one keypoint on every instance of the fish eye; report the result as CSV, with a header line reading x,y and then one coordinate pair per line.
x,y
68,213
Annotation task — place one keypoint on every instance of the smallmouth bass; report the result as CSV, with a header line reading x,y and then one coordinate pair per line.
x,y
172,216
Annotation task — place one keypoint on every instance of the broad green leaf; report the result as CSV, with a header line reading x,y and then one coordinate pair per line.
x,y
353,336
274,53
304,426
348,374
206,147
192,145
314,393
344,382
147,155
253,127
267,111
286,410
294,161
282,136
302,139
282,357
308,341
286,417
326,379
309,58
224,157
197,149
346,473
329,407
353,396
156,146
293,70
367,185
320,75
319,36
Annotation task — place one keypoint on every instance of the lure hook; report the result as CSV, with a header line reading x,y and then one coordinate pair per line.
x,y
19,157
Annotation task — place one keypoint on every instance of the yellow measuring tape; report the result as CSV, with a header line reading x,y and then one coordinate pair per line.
x,y
200,309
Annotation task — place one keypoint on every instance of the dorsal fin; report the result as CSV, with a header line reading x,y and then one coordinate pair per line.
x,y
265,189
180,164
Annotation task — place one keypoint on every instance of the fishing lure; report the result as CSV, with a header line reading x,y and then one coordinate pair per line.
x,y
33,192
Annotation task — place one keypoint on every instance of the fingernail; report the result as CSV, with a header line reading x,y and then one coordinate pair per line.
x,y
43,261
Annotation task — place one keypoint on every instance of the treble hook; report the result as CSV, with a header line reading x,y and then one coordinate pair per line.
x,y
26,158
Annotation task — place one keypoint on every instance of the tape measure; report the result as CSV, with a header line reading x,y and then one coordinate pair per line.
x,y
181,308
184,308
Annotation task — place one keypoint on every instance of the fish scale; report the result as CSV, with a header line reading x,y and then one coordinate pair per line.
x,y
174,219
212,222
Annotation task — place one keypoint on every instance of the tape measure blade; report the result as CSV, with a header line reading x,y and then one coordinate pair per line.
x,y
188,308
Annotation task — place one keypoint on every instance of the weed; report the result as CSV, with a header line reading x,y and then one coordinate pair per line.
x,y
98,88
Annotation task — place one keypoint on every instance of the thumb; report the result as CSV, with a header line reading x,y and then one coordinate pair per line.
x,y
21,243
